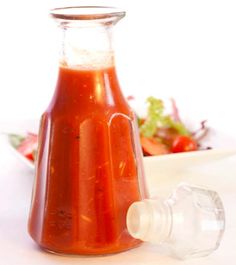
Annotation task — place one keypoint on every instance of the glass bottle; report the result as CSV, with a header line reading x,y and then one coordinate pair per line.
x,y
188,224
89,166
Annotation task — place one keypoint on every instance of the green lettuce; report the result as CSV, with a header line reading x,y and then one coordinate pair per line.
x,y
156,118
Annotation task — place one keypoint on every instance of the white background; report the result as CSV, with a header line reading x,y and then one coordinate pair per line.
x,y
184,49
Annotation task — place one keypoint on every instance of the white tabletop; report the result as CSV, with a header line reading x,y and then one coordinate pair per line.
x,y
16,247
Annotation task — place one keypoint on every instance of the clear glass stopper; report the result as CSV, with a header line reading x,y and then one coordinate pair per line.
x,y
190,223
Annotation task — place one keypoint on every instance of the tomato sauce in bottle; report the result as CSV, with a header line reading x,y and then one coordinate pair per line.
x,y
89,166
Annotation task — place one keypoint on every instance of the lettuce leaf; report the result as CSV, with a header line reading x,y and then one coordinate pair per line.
x,y
156,118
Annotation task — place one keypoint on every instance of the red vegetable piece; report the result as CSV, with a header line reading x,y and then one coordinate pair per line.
x,y
152,147
30,156
183,144
28,146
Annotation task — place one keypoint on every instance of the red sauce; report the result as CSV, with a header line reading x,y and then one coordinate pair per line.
x,y
87,170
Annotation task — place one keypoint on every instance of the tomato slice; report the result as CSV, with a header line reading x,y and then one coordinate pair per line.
x,y
183,144
152,147
30,156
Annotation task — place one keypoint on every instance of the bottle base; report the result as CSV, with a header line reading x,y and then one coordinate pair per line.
x,y
85,254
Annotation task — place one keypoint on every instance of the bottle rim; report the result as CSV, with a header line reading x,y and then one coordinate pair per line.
x,y
86,12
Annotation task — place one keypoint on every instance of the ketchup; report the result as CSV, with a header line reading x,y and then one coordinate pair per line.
x,y
87,172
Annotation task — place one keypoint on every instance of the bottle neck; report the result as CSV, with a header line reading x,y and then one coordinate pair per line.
x,y
150,220
87,46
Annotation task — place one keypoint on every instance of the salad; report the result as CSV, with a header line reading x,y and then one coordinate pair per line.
x,y
160,133
25,145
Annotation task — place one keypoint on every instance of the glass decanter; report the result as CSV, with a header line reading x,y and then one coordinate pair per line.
x,y
89,166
